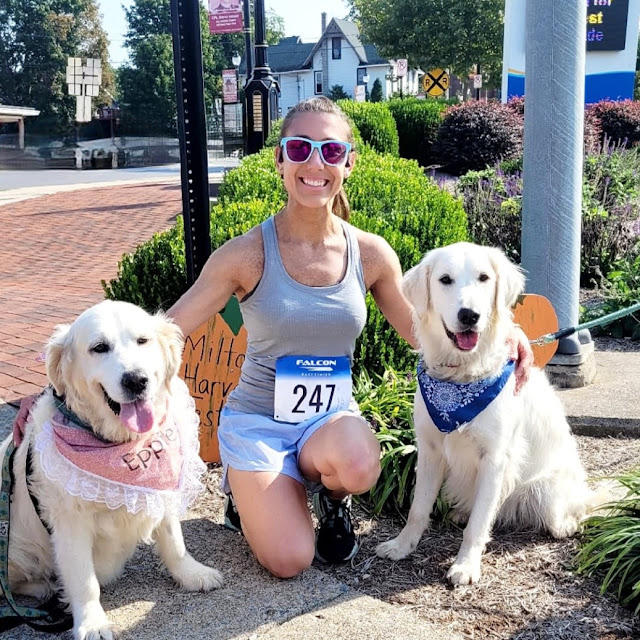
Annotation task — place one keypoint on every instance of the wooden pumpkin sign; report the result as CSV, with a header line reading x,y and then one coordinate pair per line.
x,y
537,317
211,365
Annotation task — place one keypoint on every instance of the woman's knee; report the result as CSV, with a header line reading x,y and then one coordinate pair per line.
x,y
287,562
360,471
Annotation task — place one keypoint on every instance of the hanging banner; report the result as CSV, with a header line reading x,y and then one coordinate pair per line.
x,y
611,37
225,16
229,85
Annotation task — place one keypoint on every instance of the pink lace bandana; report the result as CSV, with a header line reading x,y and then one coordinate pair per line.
x,y
152,463
157,473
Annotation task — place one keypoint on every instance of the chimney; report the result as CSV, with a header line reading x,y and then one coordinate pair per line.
x,y
324,21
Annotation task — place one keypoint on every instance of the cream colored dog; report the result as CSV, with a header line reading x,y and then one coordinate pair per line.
x,y
111,467
516,463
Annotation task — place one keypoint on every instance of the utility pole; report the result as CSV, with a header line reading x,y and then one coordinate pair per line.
x,y
553,158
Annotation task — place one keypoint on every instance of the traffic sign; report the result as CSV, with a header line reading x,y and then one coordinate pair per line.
x,y
401,67
477,81
435,82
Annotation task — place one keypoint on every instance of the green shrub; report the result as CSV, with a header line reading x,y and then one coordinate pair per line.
x,y
492,200
610,545
621,291
274,133
375,124
376,91
153,276
255,179
417,122
619,121
386,402
476,134
610,207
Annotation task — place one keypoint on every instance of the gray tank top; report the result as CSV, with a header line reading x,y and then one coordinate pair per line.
x,y
285,318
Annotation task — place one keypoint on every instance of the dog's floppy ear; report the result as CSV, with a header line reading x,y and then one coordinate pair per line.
x,y
57,355
415,286
172,343
509,280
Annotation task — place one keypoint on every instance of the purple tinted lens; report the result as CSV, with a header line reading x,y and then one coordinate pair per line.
x,y
298,150
333,152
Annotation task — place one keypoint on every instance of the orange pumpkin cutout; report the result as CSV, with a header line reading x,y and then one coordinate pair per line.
x,y
211,364
537,317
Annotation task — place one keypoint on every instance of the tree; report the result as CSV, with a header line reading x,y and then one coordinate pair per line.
x,y
376,91
147,85
453,34
337,92
36,38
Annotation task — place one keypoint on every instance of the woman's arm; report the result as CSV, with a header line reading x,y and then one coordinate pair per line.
x,y
227,271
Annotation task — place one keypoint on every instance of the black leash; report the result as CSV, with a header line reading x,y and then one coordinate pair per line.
x,y
49,616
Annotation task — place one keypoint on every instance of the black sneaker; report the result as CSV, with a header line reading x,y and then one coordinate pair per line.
x,y
335,538
231,515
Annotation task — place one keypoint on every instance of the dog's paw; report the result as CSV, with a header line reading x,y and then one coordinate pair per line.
x,y
395,549
96,627
464,573
201,578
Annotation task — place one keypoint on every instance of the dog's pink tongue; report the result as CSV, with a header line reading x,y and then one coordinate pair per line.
x,y
467,340
137,416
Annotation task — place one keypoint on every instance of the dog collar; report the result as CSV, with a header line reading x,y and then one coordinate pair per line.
x,y
71,416
451,405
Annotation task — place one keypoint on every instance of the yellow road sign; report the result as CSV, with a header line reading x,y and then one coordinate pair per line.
x,y
435,82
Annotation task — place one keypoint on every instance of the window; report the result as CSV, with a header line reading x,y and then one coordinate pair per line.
x,y
317,76
360,77
336,48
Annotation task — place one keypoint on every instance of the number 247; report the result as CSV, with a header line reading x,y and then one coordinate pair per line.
x,y
315,399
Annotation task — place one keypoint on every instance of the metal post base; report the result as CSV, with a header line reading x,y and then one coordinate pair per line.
x,y
572,371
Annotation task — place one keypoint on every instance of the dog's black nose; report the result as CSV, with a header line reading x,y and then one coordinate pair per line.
x,y
134,382
468,317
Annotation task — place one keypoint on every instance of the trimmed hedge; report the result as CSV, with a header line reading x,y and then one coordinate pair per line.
x,y
375,124
389,196
475,135
417,122
619,121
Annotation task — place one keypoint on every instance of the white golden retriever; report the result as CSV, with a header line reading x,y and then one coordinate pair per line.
x,y
113,451
516,462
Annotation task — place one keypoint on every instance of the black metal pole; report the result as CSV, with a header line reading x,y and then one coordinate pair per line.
x,y
192,132
247,40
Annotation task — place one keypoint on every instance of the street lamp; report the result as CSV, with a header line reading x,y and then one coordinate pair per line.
x,y
261,91
236,59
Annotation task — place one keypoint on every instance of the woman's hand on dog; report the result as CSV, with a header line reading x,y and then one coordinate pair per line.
x,y
20,422
520,351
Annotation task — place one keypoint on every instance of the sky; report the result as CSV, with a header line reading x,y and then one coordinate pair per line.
x,y
299,20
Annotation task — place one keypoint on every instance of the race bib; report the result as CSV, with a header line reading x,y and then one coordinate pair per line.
x,y
308,386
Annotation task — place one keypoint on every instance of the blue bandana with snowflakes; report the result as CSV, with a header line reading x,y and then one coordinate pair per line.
x,y
452,405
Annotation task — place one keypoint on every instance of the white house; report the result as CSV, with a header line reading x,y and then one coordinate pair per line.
x,y
338,58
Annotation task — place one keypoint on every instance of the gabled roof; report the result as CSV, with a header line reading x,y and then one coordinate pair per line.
x,y
288,55
367,54
291,54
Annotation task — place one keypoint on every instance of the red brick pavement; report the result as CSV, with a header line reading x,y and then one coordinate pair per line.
x,y
54,251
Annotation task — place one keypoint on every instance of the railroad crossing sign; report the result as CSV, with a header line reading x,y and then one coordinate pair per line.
x,y
435,82
84,82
